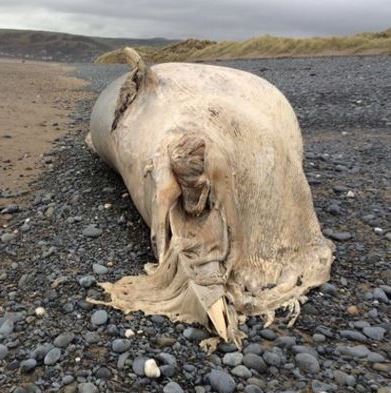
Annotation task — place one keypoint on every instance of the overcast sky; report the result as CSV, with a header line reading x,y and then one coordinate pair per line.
x,y
214,19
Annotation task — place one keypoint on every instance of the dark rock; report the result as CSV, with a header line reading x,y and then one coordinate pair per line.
x,y
241,372
254,348
221,382
341,236
172,387
120,345
63,340
307,363
353,335
254,362
194,334
138,366
103,373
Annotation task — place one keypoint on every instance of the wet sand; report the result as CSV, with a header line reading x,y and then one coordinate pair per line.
x,y
35,101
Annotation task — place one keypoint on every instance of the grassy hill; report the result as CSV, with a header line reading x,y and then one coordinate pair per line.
x,y
45,45
266,47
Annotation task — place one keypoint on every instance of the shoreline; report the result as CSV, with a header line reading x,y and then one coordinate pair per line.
x,y
36,101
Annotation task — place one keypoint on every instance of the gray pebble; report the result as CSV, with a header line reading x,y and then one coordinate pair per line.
x,y
87,387
374,357
329,289
358,351
254,348
241,372
99,317
304,349
167,358
99,269
272,358
325,331
87,281
7,327
168,370
360,324
373,313
285,341
7,237
25,227
138,366
321,387
120,345
341,378
92,231
52,357
341,236
40,351
92,337
255,362
353,335
227,347
122,360
307,363
67,379
268,334
232,359
172,387
319,338
380,295
3,351
374,332
194,334
252,389
28,365
103,373
221,382
64,339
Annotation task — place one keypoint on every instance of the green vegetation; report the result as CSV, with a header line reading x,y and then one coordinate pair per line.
x,y
263,47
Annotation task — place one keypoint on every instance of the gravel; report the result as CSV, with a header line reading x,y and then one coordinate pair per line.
x,y
52,261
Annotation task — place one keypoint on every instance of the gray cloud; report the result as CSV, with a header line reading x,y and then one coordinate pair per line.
x,y
215,19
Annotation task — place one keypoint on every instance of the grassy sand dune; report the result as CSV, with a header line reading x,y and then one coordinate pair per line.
x,y
263,47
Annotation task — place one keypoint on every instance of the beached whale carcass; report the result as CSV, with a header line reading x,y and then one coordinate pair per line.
x,y
212,158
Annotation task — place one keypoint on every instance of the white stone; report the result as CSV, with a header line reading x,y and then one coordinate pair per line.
x,y
40,312
350,194
129,333
151,369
